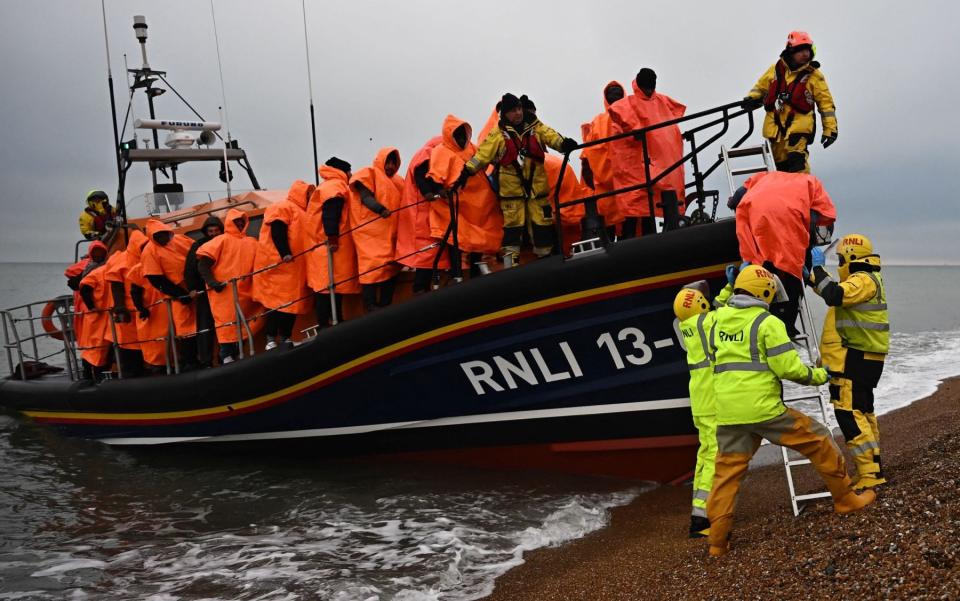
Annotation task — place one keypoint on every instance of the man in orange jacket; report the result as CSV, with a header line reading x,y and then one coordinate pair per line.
x,y
413,223
95,321
117,268
643,108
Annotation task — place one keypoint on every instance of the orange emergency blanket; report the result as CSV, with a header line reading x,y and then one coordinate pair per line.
x,y
413,223
169,261
117,267
599,159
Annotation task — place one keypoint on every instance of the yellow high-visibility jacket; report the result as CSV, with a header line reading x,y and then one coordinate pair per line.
x,y
817,92
511,187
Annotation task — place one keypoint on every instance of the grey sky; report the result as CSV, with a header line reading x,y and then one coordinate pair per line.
x,y
386,73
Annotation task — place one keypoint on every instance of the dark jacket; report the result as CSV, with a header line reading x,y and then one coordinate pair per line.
x,y
191,275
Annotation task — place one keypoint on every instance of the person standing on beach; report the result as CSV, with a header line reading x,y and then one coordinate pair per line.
x,y
752,354
693,311
854,346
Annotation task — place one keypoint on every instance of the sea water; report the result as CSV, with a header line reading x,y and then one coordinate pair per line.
x,y
79,520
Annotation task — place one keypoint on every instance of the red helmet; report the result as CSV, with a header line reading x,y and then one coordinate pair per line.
x,y
799,38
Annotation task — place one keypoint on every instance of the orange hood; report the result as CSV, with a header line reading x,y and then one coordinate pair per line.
x,y
231,228
135,244
155,226
329,173
609,85
300,193
381,160
95,245
450,125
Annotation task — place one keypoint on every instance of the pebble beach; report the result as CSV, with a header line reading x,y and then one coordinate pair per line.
x,y
904,546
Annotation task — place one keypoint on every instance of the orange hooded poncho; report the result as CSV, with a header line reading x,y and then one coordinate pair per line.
x,y
773,218
335,184
118,266
664,144
233,255
413,223
480,222
287,282
376,237
155,325
170,261
599,159
95,323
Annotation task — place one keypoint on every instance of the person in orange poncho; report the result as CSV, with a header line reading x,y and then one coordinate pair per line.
x,y
328,220
479,223
152,320
596,168
645,107
117,267
220,260
413,223
780,215
571,189
163,260
377,194
95,321
283,240
96,255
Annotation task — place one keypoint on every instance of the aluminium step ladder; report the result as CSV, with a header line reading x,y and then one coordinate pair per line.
x,y
807,339
762,150
791,459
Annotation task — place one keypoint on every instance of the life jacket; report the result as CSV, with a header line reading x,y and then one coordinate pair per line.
x,y
519,146
795,95
100,219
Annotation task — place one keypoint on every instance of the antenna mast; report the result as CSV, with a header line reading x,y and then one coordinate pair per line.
x,y
223,95
121,203
313,121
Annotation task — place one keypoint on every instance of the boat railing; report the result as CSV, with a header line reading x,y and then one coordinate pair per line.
x,y
721,115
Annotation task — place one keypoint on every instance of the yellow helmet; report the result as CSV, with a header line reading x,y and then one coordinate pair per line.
x,y
689,302
757,282
855,248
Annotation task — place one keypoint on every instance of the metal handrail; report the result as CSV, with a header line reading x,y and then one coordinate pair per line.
x,y
198,213
725,118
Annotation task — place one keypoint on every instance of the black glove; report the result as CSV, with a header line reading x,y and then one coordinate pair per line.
x,y
184,300
461,181
218,286
749,104
144,313
121,315
568,145
385,213
828,140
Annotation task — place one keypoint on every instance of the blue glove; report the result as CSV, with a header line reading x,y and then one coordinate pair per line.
x,y
817,258
732,273
744,265
806,273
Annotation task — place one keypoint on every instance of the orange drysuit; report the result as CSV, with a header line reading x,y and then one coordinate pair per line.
x,y
773,218
335,185
155,326
375,236
664,145
169,261
96,320
413,223
233,255
118,266
598,158
479,222
287,282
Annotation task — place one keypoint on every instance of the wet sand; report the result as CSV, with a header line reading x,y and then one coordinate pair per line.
x,y
905,546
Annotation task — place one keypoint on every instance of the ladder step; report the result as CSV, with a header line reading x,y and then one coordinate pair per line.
x,y
812,397
749,170
814,495
745,151
794,462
